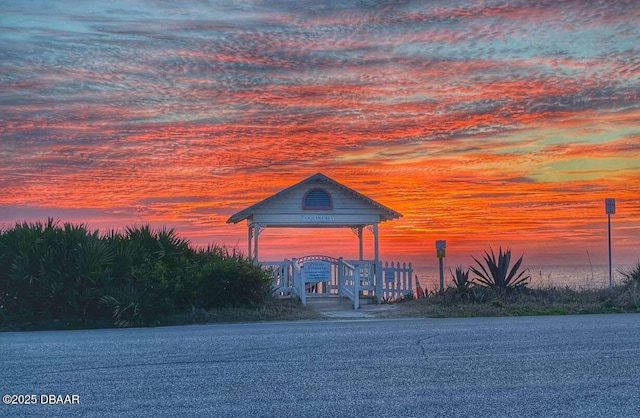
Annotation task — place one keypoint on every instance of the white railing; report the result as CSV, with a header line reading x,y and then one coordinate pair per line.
x,y
282,275
366,272
298,282
349,282
287,278
349,278
396,280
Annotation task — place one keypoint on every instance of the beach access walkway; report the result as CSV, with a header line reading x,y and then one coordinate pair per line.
x,y
342,308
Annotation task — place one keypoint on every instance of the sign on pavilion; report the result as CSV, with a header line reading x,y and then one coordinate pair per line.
x,y
320,202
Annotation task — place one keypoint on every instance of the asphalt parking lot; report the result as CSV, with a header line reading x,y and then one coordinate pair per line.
x,y
582,366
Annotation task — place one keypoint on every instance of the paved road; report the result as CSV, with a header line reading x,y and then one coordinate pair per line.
x,y
581,366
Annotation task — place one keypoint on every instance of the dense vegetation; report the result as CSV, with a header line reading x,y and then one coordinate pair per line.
x,y
52,273
55,276
500,288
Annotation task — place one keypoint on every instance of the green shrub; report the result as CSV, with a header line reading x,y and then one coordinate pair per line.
x,y
408,296
461,280
51,272
228,279
497,274
462,287
632,276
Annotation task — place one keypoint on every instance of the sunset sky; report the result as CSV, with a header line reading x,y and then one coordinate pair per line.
x,y
484,123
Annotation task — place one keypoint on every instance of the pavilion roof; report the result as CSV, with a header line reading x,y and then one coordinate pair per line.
x,y
318,178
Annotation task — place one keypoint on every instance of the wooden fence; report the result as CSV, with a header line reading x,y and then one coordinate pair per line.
x,y
393,282
396,280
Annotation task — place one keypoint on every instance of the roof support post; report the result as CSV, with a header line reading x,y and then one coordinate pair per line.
x,y
358,230
376,260
256,233
249,243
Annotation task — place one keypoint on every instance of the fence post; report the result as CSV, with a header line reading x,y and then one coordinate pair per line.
x,y
356,289
340,274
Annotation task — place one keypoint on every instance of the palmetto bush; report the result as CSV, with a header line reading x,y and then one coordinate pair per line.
x,y
154,260
50,271
226,278
496,272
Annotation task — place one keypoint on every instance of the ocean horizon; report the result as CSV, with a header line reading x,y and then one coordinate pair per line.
x,y
575,276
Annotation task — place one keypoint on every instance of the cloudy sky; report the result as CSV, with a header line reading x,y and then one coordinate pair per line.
x,y
485,123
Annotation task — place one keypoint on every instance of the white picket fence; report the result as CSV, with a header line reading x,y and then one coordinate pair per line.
x,y
393,283
396,280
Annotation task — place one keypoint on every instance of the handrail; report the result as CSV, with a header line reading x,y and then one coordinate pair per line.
x,y
370,278
347,264
347,292
298,282
356,288
280,274
343,289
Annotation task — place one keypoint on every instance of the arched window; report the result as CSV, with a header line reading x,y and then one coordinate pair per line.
x,y
317,199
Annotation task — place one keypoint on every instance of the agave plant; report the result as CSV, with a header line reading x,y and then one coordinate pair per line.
x,y
461,280
497,273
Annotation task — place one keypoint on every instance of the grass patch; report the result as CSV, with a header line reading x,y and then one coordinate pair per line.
x,y
541,301
271,310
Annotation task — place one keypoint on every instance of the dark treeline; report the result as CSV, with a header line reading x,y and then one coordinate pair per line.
x,y
51,273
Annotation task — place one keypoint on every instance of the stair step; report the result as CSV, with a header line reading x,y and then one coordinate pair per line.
x,y
329,303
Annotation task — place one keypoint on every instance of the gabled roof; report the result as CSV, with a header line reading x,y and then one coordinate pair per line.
x,y
385,213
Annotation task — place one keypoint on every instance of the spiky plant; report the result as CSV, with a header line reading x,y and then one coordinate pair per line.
x,y
497,274
461,280
461,287
632,275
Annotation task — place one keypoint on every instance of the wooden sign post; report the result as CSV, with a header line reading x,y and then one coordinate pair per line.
x,y
610,208
441,245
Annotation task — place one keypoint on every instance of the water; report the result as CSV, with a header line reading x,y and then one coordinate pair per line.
x,y
578,277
